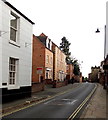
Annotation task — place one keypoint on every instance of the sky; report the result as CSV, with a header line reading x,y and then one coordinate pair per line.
x,y
77,20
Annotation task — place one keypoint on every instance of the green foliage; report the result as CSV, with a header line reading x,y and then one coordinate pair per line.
x,y
85,79
64,46
76,69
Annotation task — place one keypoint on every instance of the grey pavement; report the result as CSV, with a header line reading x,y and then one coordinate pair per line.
x,y
97,107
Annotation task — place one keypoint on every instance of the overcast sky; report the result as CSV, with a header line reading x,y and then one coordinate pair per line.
x,y
77,20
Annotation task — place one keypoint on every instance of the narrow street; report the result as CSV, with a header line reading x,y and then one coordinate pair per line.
x,y
62,106
53,59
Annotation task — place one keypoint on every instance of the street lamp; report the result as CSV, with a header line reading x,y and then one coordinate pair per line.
x,y
105,70
98,31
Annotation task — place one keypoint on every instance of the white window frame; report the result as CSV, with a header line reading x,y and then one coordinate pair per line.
x,y
16,42
13,71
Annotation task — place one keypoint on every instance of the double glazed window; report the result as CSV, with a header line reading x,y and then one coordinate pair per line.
x,y
13,27
12,70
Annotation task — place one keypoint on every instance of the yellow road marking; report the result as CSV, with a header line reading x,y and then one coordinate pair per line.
x,y
72,116
3,115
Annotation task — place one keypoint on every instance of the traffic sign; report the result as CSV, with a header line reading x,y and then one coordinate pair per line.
x,y
39,70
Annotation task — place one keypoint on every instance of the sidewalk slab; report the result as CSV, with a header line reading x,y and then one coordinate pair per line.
x,y
96,108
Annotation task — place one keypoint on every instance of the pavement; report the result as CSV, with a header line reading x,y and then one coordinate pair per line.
x,y
96,107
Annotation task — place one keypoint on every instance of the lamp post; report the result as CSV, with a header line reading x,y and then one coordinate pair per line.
x,y
98,31
104,66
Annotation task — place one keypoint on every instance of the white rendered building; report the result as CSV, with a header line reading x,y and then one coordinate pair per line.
x,y
15,52
106,41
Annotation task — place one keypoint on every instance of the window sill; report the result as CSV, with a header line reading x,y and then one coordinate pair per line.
x,y
10,87
14,43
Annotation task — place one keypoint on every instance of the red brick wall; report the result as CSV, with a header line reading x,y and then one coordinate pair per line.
x,y
77,78
38,58
36,87
48,81
69,71
57,84
101,80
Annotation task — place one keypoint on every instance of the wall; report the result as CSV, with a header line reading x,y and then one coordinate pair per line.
x,y
36,87
94,74
70,71
59,62
49,65
38,58
19,51
0,45
106,47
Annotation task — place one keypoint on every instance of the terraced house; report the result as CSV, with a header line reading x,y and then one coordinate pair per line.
x,y
59,67
42,62
15,55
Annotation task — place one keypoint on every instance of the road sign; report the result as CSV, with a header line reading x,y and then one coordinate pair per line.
x,y
39,70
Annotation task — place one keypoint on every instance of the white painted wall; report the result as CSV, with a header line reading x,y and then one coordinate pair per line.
x,y
24,54
0,45
106,52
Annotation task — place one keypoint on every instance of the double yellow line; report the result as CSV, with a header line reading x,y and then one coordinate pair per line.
x,y
3,115
73,115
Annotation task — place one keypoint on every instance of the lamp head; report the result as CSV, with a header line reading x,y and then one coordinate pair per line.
x,y
97,31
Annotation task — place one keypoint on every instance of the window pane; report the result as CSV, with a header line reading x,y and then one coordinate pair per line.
x,y
13,34
13,68
13,21
10,74
10,61
13,82
14,75
10,81
9,67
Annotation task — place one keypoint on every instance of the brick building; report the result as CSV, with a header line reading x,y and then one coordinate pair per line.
x,y
70,75
80,77
105,67
101,74
94,75
42,61
59,66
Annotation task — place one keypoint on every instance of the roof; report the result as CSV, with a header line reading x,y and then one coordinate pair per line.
x,y
57,47
42,39
11,6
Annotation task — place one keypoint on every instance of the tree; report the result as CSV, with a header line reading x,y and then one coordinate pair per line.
x,y
85,79
76,70
75,63
64,46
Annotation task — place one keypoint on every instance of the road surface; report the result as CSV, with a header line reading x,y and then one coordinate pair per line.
x,y
58,107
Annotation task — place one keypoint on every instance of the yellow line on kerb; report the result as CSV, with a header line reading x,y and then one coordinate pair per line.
x,y
73,115
3,115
